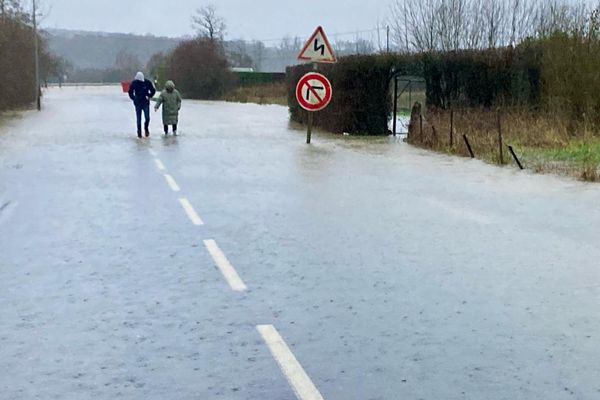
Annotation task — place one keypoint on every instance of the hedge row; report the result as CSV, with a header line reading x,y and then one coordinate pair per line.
x,y
259,78
362,103
499,77
16,64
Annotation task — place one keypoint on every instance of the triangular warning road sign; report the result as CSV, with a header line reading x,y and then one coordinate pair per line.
x,y
317,48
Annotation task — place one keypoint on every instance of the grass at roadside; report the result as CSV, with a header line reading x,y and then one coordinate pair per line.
x,y
544,143
271,93
579,157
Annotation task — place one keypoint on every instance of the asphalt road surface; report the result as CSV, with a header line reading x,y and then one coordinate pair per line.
x,y
237,262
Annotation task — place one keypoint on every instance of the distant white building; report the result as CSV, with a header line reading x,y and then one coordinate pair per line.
x,y
242,69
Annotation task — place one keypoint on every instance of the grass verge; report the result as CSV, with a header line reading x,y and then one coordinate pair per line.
x,y
544,143
271,93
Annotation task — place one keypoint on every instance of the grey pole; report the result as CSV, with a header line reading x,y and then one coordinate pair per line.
x,y
388,39
37,59
395,105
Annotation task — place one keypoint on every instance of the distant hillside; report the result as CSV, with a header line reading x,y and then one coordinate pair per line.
x,y
96,50
98,56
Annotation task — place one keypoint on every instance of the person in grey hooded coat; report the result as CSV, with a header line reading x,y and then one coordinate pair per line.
x,y
170,99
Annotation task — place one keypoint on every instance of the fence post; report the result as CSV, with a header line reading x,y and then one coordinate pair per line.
x,y
395,103
434,136
451,127
420,126
512,151
500,146
468,146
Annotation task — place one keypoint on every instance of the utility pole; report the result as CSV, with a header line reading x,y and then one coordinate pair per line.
x,y
388,39
406,32
37,59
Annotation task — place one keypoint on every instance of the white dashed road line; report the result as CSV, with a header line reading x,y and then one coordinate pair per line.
x,y
159,164
172,184
152,153
191,213
291,368
460,211
231,276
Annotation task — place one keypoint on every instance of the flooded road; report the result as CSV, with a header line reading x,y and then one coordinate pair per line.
x,y
236,262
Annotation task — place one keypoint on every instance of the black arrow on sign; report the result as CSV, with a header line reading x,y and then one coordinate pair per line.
x,y
320,48
313,89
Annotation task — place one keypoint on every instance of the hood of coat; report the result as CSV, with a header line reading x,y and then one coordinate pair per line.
x,y
170,86
139,76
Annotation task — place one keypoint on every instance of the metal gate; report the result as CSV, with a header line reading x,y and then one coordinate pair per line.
x,y
406,90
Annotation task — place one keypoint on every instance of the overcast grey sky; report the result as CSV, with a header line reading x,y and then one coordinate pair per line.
x,y
247,19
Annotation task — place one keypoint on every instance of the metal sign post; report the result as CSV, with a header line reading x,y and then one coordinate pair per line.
x,y
309,127
37,59
310,116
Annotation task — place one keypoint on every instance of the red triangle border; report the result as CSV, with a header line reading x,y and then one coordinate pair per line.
x,y
309,42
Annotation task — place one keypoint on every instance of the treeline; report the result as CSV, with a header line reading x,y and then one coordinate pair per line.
x,y
17,62
123,67
98,57
446,25
94,50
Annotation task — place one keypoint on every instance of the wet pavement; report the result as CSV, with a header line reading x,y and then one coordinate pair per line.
x,y
389,271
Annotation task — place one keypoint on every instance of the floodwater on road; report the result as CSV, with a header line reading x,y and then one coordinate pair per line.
x,y
236,262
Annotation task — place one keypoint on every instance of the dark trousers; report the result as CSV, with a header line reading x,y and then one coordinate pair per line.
x,y
167,128
138,112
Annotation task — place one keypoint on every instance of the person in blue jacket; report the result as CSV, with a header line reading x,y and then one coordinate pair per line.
x,y
141,90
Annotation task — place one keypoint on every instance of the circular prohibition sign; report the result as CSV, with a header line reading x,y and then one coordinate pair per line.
x,y
314,91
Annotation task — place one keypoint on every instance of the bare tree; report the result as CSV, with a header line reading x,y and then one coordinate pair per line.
x,y
451,16
562,16
10,8
208,23
521,17
474,26
426,25
257,52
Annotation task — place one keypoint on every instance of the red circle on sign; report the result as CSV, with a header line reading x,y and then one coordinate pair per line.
x,y
314,91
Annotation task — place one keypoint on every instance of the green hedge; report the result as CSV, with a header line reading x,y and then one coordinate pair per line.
x,y
362,103
489,78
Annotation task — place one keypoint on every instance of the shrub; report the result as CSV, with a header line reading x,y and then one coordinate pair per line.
x,y
200,69
360,104
16,64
